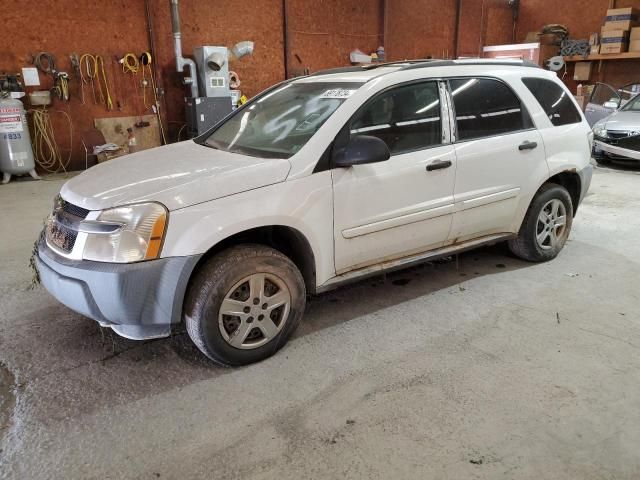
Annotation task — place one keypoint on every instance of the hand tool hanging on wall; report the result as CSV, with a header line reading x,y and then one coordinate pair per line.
x,y
75,64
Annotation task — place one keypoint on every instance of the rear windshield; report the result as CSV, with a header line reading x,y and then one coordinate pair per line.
x,y
279,123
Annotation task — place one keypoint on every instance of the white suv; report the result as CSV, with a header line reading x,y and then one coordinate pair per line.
x,y
318,181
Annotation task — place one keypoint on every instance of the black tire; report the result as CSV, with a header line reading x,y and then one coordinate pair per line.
x,y
211,285
526,244
602,161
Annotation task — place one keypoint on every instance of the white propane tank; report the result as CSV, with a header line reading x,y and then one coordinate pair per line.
x,y
16,155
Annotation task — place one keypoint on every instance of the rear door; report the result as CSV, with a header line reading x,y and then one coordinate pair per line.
x,y
498,153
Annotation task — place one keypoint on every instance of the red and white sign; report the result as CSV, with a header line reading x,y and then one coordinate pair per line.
x,y
10,123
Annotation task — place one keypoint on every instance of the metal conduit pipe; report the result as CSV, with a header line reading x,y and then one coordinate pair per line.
x,y
181,61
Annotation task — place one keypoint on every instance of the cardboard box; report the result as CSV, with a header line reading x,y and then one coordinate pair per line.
x,y
582,71
613,48
634,46
614,41
614,32
635,34
622,18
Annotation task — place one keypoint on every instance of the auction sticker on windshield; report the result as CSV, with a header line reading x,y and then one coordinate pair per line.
x,y
338,93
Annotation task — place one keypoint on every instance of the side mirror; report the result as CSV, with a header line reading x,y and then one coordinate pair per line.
x,y
361,150
611,105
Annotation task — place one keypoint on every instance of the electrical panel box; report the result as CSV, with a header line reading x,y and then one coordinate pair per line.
x,y
213,71
204,112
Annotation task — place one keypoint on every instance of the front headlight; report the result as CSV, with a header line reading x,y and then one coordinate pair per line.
x,y
599,130
126,234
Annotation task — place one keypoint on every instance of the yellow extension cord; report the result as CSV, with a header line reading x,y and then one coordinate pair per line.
x,y
130,63
93,66
45,147
100,66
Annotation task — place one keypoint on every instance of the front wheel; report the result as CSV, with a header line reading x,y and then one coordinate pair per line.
x,y
546,225
244,304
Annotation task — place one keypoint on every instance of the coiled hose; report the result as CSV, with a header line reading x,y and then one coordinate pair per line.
x,y
46,63
45,147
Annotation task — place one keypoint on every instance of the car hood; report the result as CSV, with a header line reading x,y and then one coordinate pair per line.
x,y
176,175
623,120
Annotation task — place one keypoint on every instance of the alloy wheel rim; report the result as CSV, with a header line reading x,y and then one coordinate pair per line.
x,y
551,225
254,311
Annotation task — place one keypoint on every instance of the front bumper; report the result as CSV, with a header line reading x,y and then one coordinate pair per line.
x,y
136,300
602,149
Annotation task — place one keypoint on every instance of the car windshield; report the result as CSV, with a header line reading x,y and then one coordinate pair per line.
x,y
633,104
279,123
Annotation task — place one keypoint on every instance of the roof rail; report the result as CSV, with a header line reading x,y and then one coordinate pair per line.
x,y
472,61
369,66
424,63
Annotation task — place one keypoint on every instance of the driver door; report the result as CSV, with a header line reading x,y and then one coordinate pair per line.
x,y
402,206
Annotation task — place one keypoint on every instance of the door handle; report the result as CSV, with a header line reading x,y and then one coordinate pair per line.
x,y
527,145
438,165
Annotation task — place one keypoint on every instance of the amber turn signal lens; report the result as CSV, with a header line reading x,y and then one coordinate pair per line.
x,y
155,241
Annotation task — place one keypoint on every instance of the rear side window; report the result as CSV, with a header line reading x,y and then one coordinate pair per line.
x,y
486,107
554,100
406,118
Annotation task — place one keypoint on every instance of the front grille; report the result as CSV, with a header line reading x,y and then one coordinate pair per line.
x,y
62,237
75,210
62,227
617,135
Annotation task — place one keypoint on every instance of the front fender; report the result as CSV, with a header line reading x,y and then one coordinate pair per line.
x,y
305,204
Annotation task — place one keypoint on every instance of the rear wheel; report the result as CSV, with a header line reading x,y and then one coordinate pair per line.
x,y
244,304
546,225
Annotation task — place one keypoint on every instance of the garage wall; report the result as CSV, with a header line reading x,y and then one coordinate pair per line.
x,y
220,22
420,28
581,17
322,33
483,22
98,27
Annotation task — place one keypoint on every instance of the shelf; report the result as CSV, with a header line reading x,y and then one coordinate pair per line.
x,y
603,56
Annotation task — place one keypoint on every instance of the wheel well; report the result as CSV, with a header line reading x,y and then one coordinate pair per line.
x,y
571,181
286,240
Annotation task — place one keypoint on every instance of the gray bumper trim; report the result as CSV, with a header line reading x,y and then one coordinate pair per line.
x,y
585,180
138,300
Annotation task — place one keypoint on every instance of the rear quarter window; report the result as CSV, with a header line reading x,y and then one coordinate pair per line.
x,y
554,100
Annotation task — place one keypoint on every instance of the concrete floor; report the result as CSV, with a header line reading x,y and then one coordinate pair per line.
x,y
485,367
